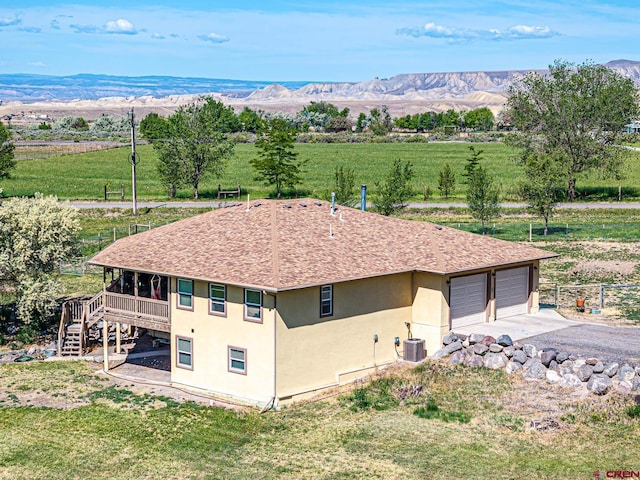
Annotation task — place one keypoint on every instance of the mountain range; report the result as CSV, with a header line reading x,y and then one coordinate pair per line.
x,y
406,93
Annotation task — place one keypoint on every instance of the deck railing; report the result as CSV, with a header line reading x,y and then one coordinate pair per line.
x,y
137,310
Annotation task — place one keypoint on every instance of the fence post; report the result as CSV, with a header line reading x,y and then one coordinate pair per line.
x,y
530,232
114,234
122,192
105,192
602,296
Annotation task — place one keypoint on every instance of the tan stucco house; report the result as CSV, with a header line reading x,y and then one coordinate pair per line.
x,y
274,300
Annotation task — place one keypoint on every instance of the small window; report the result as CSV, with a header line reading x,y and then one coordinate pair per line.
x,y
238,360
185,294
326,300
217,297
253,305
184,352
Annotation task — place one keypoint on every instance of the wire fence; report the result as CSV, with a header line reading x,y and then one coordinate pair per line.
x,y
595,297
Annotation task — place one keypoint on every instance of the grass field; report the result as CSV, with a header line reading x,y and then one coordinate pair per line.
x,y
83,176
61,421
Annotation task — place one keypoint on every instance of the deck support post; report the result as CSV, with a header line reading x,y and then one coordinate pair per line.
x,y
118,338
105,344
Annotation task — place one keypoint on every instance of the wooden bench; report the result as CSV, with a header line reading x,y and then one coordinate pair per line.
x,y
115,192
225,193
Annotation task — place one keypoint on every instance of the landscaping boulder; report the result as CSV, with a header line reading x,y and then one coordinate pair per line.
x,y
569,381
553,365
599,384
495,348
591,361
474,361
513,367
598,367
475,338
517,345
480,349
534,370
453,347
508,351
459,356
547,356
562,357
552,376
584,372
495,361
530,350
504,340
488,340
610,369
449,338
440,354
519,356
626,373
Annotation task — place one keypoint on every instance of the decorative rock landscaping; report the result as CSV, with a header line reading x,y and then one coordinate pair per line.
x,y
549,364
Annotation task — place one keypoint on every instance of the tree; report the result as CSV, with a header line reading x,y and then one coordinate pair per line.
x,y
250,120
277,162
479,119
473,162
338,124
35,235
543,186
154,127
197,144
395,190
446,180
345,186
483,196
574,112
7,162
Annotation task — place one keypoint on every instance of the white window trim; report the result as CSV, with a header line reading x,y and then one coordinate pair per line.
x,y
222,313
244,360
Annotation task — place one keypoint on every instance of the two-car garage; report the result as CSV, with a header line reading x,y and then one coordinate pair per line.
x,y
469,295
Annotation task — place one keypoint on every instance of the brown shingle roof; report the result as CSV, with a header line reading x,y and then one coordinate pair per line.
x,y
279,245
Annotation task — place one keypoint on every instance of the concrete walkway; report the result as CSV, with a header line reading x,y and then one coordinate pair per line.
x,y
522,326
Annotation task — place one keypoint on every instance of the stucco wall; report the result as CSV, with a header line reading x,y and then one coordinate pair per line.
x,y
213,334
314,351
430,314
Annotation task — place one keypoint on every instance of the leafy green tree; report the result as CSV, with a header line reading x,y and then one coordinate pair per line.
x,y
277,162
197,144
574,112
154,127
7,161
446,180
250,120
479,119
326,108
483,196
473,162
544,184
345,186
393,193
35,235
338,124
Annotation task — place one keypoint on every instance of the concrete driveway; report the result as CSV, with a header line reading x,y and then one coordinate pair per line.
x,y
522,326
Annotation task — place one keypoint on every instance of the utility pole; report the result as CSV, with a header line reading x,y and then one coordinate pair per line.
x,y
134,161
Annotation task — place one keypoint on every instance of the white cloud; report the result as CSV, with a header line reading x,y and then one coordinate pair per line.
x,y
158,36
452,35
30,29
7,22
117,27
37,64
213,38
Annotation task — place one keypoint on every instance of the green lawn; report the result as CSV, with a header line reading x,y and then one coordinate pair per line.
x,y
481,429
83,176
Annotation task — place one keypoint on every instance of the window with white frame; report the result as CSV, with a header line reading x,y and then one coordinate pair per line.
x,y
326,300
238,360
185,294
184,352
253,305
217,299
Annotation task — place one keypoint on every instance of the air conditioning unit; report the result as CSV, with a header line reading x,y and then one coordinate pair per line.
x,y
413,350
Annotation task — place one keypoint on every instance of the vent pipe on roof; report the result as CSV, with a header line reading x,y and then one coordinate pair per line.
x,y
363,197
333,203
248,202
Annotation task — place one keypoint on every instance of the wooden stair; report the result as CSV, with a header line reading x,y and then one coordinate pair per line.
x,y
76,319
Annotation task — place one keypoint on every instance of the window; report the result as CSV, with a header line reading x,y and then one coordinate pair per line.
x,y
253,305
238,360
326,300
217,297
185,294
184,353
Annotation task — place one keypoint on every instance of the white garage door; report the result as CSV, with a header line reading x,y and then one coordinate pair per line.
x,y
468,300
512,292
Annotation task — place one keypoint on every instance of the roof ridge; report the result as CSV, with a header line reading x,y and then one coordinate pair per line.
x,y
275,252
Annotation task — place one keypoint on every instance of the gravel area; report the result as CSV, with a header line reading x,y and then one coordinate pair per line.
x,y
609,344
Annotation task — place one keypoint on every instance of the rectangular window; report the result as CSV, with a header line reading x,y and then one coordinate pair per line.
x,y
217,299
185,294
253,305
184,353
238,360
326,300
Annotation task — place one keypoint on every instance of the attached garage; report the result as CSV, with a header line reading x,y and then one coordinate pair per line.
x,y
468,300
512,292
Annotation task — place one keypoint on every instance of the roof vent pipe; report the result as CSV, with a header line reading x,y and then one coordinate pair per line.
x,y
363,197
333,203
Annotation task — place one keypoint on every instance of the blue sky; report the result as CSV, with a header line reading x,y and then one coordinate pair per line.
x,y
317,41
